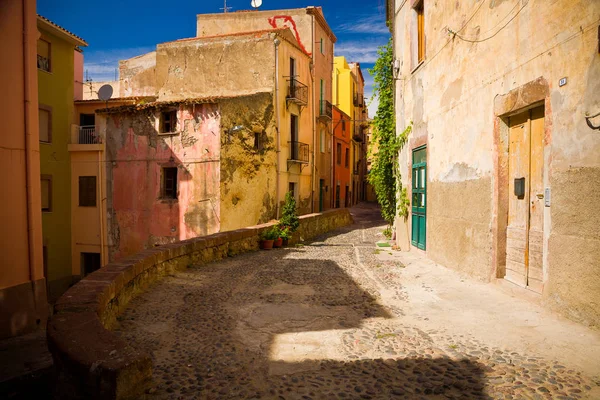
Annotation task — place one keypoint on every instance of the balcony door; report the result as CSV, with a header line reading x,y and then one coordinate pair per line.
x,y
294,136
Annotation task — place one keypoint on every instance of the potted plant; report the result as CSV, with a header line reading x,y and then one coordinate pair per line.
x,y
267,238
289,216
278,241
284,234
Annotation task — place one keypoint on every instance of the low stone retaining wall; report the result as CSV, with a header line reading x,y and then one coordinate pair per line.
x,y
94,363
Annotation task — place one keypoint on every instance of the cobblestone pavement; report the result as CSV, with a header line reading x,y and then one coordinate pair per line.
x,y
321,321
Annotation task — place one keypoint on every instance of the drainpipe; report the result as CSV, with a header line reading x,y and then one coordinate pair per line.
x,y
276,42
312,77
28,144
103,261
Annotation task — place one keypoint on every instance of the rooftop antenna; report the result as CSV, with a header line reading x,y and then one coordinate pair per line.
x,y
225,8
256,3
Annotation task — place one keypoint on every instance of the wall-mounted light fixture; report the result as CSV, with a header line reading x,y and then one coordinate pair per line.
x,y
396,68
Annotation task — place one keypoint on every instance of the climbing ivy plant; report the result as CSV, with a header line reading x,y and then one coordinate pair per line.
x,y
385,173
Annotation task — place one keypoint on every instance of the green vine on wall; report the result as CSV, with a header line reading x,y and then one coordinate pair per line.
x,y
385,171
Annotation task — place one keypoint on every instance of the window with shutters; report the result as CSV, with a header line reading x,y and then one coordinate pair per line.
x,y
418,39
338,153
87,191
45,123
46,182
322,140
169,183
168,121
347,160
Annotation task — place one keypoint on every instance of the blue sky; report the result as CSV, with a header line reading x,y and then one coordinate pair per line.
x,y
117,29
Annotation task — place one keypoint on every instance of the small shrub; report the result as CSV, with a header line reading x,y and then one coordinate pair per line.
x,y
270,234
387,232
289,217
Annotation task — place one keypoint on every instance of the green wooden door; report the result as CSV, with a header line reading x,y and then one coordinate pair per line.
x,y
419,198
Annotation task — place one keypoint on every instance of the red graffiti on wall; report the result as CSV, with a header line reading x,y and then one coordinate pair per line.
x,y
291,24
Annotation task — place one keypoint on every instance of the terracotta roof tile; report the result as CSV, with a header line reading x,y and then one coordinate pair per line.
x,y
60,28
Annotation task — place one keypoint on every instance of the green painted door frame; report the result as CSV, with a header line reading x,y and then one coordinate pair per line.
x,y
419,198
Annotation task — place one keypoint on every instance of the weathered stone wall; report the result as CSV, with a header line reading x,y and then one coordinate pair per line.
x,y
94,363
459,100
245,168
138,217
137,76
220,66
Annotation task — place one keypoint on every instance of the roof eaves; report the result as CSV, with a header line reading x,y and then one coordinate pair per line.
x,y
57,28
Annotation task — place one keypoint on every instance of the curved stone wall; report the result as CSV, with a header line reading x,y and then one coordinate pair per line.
x,y
94,363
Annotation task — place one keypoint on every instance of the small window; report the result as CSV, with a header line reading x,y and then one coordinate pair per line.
x,y
347,160
322,140
258,143
46,181
169,183
344,127
292,188
43,55
322,47
168,121
338,153
87,191
45,125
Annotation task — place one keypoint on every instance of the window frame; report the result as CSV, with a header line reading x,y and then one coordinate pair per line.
x,y
419,9
49,110
322,44
49,179
79,187
347,160
173,125
163,183
49,70
322,140
338,153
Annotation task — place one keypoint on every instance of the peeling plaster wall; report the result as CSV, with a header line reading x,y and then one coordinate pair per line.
x,y
298,20
138,218
244,168
451,100
137,76
215,67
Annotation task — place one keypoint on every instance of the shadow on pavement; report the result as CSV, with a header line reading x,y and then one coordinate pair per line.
x,y
268,325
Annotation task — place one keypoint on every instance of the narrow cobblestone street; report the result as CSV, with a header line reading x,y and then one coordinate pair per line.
x,y
334,319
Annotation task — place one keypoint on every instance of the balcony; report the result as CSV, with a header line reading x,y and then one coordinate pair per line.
x,y
359,135
85,138
325,110
359,100
297,93
299,153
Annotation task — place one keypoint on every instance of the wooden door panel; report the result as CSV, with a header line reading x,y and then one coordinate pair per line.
x,y
518,209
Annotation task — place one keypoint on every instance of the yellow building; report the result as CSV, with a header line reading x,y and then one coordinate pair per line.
x,y
348,96
23,304
55,62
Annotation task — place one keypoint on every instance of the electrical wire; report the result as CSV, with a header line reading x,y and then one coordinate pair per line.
x,y
471,17
455,34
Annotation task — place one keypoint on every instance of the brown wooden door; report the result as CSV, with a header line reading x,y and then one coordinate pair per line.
x,y
524,245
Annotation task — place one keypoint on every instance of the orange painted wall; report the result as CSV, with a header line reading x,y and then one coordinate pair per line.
x,y
342,134
22,282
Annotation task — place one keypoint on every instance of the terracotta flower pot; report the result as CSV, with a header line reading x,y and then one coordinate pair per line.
x,y
278,242
266,244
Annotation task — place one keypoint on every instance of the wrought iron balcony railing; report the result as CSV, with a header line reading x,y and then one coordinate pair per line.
x,y
325,109
297,92
359,100
298,152
85,134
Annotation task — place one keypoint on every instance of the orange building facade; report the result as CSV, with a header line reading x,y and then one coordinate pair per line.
x,y
23,304
341,194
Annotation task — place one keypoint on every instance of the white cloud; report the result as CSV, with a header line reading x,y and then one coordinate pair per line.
x,y
100,65
363,51
371,24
